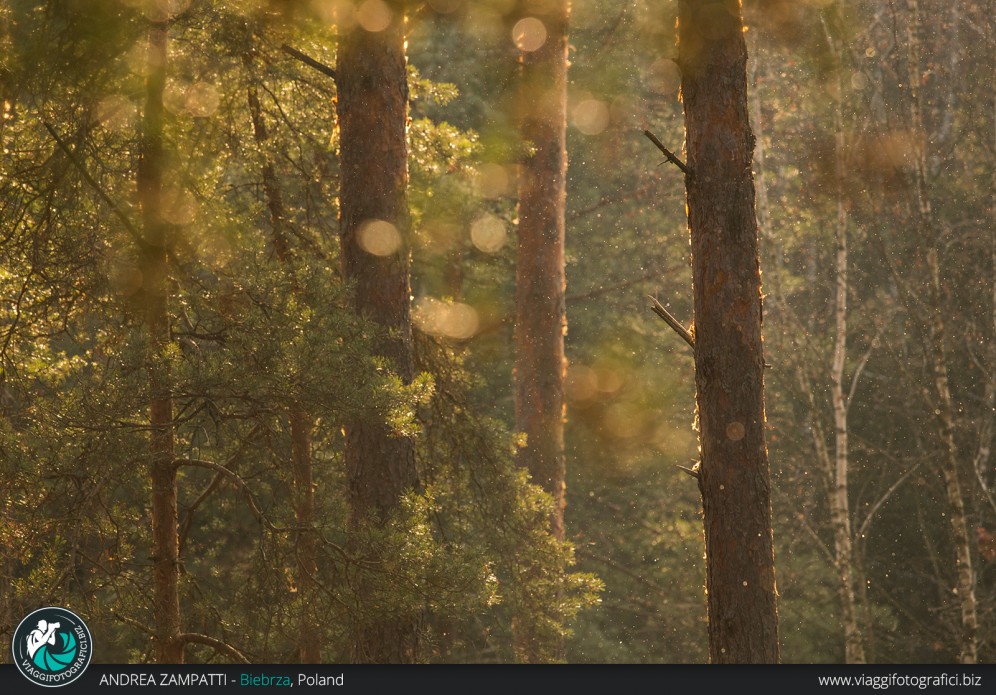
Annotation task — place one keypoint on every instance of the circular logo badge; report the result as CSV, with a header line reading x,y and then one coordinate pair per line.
x,y
52,647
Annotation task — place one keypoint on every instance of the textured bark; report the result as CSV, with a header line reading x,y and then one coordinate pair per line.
x,y
937,354
729,363
169,648
540,283
300,423
373,110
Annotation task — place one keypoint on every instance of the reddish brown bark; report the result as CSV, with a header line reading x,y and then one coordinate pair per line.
x,y
540,283
729,362
540,316
372,109
168,647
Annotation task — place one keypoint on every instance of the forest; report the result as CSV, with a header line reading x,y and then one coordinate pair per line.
x,y
500,331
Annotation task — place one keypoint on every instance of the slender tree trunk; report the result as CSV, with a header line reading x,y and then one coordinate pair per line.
x,y
169,649
374,230
840,509
300,423
309,649
840,515
540,283
983,470
849,574
937,354
7,575
729,361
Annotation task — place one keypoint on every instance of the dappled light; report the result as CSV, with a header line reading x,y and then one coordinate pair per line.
x,y
373,15
450,319
591,116
378,237
529,34
500,331
488,234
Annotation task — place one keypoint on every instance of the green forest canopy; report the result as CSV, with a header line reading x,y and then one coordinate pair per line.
x,y
874,123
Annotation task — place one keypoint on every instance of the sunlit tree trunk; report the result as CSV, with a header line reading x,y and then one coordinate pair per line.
x,y
169,649
937,351
300,423
840,515
540,308
540,316
840,508
372,109
729,362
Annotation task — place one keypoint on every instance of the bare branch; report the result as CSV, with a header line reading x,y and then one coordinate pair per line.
x,y
243,486
134,623
216,644
876,341
308,60
667,153
674,323
863,529
188,516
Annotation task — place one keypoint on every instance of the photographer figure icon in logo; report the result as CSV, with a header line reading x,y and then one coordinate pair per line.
x,y
52,647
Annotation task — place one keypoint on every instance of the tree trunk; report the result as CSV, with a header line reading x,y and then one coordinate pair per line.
x,y
937,354
300,423
840,509
169,649
729,362
840,515
983,471
849,574
540,283
372,109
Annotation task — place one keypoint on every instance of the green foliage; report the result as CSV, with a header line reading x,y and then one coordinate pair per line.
x,y
254,334
491,513
251,335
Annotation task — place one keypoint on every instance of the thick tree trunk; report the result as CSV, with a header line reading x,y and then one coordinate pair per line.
x,y
937,354
540,313
540,283
300,423
374,228
169,649
729,363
